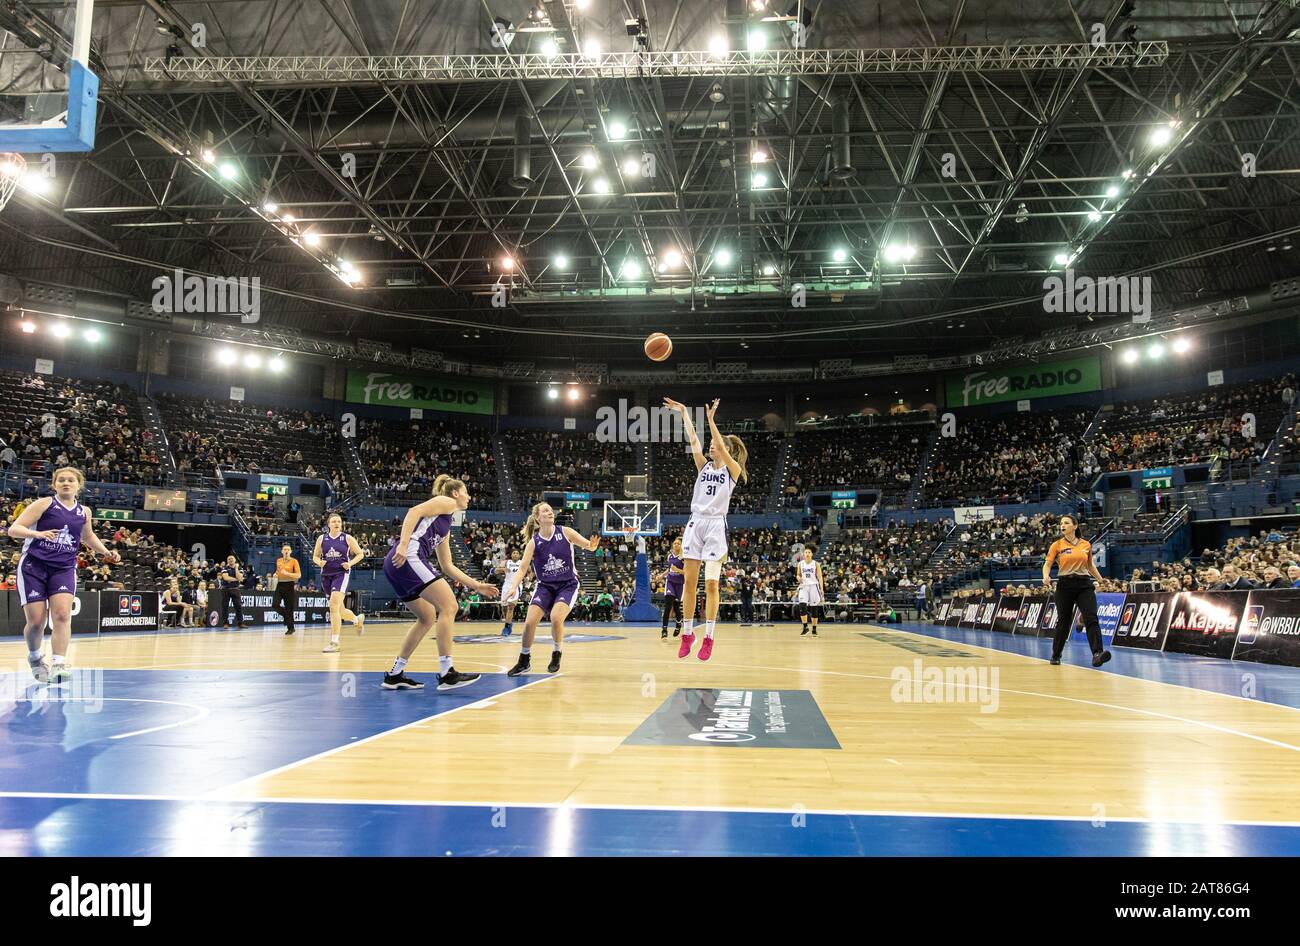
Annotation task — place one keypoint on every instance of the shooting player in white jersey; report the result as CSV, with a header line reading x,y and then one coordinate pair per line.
x,y
705,537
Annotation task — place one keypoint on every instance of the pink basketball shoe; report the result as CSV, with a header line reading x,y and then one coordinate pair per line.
x,y
688,641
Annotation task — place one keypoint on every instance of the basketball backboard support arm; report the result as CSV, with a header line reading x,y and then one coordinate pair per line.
x,y
74,130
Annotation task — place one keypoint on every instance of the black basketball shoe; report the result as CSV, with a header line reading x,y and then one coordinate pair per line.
x,y
400,681
523,665
453,679
554,665
1099,659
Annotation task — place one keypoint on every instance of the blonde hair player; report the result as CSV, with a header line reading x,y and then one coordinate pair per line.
x,y
424,588
549,549
336,554
52,529
812,591
705,537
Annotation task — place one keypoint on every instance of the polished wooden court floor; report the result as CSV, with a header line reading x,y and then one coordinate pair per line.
x,y
1163,742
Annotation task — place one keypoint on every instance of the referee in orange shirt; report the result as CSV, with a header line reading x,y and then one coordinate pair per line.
x,y
287,575
1072,556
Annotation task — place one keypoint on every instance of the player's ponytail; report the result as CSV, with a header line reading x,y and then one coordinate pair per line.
x,y
740,453
447,485
530,525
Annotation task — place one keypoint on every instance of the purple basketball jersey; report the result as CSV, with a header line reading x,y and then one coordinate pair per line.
x,y
335,552
429,533
61,552
675,580
553,558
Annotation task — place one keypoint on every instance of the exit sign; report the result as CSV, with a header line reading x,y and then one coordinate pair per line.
x,y
114,514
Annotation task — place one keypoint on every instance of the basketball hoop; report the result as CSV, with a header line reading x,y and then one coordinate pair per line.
x,y
13,167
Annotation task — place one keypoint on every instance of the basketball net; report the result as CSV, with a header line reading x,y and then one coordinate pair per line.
x,y
12,169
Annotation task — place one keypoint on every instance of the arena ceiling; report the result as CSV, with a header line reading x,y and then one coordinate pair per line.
x,y
995,138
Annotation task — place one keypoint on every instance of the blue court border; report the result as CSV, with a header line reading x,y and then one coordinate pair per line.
x,y
34,826
66,788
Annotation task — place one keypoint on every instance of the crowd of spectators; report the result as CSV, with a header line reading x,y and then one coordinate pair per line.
x,y
1010,458
403,458
1192,428
208,436
48,422
567,460
884,456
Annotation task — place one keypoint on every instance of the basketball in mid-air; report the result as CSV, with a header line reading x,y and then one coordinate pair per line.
x,y
658,346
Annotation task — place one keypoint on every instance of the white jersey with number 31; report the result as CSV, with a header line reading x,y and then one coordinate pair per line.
x,y
713,489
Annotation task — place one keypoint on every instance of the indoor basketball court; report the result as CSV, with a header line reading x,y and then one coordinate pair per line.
x,y
750,428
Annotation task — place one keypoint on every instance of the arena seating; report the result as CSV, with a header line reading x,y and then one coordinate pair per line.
x,y
1190,428
207,434
543,460
1008,458
403,458
884,457
94,426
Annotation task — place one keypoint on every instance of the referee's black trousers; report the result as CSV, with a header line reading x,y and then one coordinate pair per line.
x,y
285,600
1071,593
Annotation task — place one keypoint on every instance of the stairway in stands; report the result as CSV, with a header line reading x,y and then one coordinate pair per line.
x,y
153,420
461,555
915,490
1064,490
505,478
355,470
778,475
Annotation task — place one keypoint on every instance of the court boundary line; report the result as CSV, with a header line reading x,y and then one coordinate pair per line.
x,y
597,806
1180,686
203,711
213,795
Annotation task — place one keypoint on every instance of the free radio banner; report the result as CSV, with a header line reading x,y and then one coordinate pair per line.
x,y
433,392
1074,376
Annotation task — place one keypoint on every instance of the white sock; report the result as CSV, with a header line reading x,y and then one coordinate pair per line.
x,y
33,656
59,660
525,651
444,663
398,666
708,629
688,626
334,638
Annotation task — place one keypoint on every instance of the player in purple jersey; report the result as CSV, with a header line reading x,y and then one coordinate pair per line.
x,y
52,529
336,554
424,588
673,578
549,549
